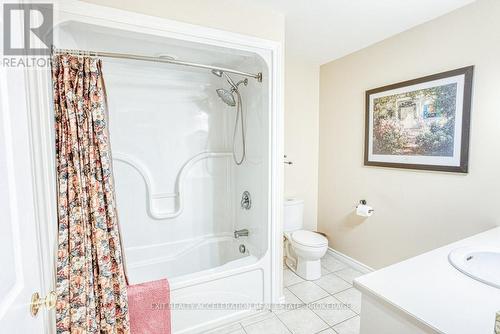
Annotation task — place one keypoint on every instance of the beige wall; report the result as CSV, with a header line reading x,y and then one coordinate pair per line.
x,y
301,134
220,14
415,211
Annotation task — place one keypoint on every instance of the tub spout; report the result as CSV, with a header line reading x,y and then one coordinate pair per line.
x,y
241,233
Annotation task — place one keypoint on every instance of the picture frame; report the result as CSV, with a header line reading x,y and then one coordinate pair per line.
x,y
421,124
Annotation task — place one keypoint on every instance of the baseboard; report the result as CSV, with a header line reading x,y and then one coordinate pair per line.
x,y
350,261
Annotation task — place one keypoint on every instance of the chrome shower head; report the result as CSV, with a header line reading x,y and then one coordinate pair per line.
x,y
226,96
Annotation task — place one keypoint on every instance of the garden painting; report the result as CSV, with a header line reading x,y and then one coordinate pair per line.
x,y
421,123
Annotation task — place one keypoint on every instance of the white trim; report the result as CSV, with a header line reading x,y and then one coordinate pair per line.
x,y
277,173
44,178
42,152
7,152
350,261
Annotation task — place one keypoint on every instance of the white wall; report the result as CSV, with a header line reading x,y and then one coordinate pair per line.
x,y
415,211
301,134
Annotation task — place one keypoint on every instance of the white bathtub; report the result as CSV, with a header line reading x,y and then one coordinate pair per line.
x,y
204,275
187,259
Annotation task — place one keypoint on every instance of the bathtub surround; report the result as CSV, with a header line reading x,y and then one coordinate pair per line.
x,y
91,288
416,211
301,81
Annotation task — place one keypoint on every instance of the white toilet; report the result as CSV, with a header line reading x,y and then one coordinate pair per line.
x,y
303,249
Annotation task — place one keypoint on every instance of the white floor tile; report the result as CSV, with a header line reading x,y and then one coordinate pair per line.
x,y
331,310
269,326
298,319
351,297
239,331
256,318
302,321
332,283
308,292
348,274
291,302
327,331
331,263
350,326
324,271
290,278
230,329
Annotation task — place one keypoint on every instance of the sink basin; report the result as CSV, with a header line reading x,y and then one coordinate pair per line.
x,y
481,264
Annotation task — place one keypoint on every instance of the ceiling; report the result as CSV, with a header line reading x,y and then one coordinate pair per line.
x,y
322,30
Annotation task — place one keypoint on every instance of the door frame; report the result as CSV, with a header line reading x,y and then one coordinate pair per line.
x,y
39,86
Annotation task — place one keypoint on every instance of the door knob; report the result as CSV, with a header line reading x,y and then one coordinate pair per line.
x,y
36,302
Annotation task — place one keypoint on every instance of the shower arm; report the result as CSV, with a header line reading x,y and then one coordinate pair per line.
x,y
257,76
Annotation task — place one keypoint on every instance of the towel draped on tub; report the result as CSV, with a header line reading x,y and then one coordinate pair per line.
x,y
149,307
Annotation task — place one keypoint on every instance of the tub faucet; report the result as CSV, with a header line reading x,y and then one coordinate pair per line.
x,y
241,233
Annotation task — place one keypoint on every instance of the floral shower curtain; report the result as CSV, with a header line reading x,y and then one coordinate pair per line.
x,y
91,284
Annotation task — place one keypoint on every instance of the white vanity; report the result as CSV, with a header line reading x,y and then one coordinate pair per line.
x,y
454,289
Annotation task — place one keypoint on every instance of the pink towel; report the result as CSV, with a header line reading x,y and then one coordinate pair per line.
x,y
149,308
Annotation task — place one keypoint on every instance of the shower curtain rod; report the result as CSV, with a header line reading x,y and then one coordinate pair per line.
x,y
167,60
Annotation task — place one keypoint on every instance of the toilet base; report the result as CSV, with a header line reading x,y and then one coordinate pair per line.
x,y
308,270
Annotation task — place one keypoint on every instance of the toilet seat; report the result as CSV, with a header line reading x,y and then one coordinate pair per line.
x,y
309,239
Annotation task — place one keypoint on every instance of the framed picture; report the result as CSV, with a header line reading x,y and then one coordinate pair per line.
x,y
421,123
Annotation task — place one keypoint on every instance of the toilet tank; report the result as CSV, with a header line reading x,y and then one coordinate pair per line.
x,y
293,214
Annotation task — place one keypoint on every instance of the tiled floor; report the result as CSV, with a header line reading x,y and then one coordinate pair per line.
x,y
329,305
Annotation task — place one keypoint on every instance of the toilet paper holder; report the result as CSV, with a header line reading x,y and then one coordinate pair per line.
x,y
363,202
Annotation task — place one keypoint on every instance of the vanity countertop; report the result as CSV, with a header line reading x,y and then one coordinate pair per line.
x,y
428,288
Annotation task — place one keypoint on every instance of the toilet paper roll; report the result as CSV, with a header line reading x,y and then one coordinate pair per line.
x,y
364,210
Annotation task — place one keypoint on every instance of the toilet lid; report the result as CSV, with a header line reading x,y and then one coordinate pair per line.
x,y
308,238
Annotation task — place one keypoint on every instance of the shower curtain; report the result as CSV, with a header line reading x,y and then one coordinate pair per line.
x,y
91,284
